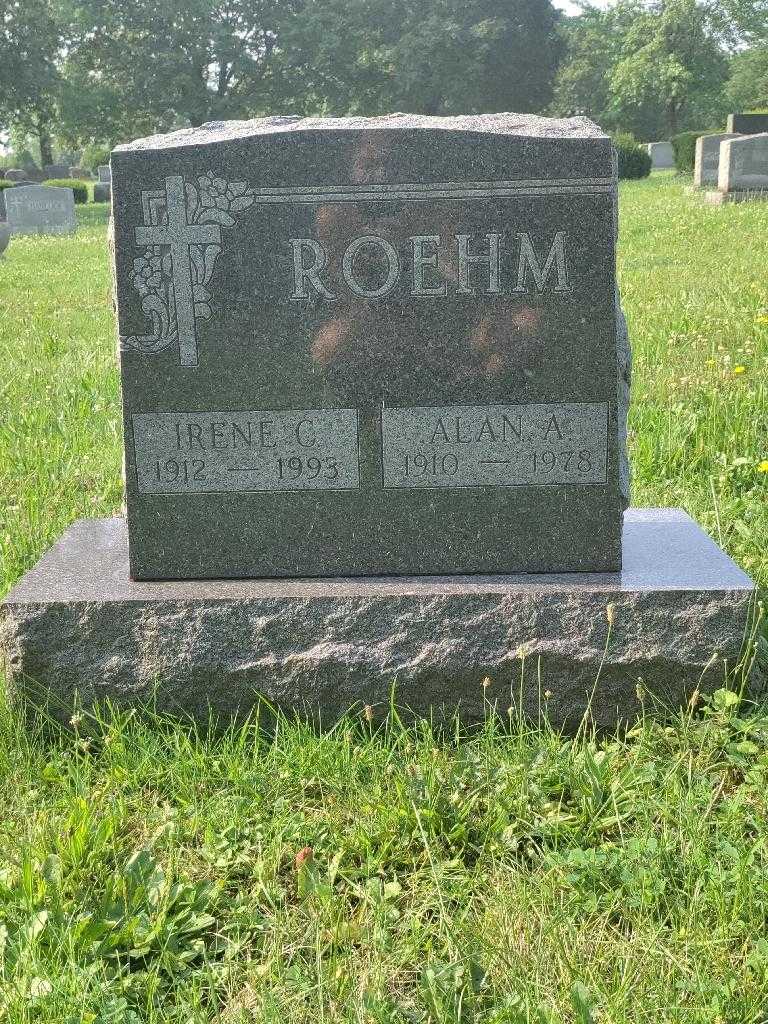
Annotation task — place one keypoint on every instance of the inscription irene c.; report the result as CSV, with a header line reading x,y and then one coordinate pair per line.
x,y
500,446
284,450
371,267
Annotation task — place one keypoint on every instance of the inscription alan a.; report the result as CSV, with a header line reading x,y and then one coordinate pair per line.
x,y
470,264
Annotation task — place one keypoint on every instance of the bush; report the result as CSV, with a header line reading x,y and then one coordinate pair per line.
x,y
6,184
80,188
634,160
684,146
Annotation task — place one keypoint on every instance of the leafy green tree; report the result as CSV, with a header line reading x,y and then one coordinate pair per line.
x,y
30,78
748,84
422,56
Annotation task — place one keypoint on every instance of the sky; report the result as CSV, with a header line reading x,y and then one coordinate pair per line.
x,y
571,8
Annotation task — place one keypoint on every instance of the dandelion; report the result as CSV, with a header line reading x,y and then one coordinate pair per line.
x,y
711,362
762,466
739,369
761,320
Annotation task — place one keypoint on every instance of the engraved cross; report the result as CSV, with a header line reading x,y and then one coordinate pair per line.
x,y
179,234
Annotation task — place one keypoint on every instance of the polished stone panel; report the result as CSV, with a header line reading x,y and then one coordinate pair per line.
x,y
747,124
40,210
383,266
677,616
744,164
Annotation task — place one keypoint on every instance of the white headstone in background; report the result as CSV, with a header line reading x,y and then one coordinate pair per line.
x,y
743,164
706,167
40,210
662,155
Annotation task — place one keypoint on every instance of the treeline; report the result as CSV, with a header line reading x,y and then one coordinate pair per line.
x,y
78,76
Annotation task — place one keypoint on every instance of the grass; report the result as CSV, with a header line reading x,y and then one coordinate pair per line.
x,y
393,876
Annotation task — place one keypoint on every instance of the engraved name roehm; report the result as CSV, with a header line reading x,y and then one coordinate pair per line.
x,y
430,266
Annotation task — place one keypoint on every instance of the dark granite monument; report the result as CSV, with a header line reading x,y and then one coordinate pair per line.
x,y
747,124
355,347
362,348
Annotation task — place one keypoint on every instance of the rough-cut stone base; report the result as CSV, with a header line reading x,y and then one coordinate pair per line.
x,y
719,198
76,624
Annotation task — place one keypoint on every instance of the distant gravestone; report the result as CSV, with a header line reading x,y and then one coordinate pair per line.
x,y
417,326
40,210
16,174
102,192
56,171
747,124
80,173
707,163
5,234
105,174
743,172
662,155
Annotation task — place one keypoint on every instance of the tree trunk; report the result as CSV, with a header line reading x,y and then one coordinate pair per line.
x,y
672,118
46,145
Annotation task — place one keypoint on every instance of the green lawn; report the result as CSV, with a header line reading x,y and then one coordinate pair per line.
x,y
395,876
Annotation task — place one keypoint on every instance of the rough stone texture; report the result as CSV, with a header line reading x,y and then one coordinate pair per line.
x,y
105,175
76,623
744,164
217,316
662,155
40,210
747,124
707,162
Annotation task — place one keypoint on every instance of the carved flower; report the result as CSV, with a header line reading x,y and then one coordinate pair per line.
x,y
214,192
148,272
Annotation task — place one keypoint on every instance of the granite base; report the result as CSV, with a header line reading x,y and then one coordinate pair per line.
x,y
77,629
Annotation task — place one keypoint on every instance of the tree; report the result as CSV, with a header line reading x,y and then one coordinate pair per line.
x,y
748,84
421,56
671,55
143,66
653,66
30,80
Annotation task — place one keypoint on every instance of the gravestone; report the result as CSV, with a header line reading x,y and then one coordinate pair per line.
x,y
105,174
747,124
707,162
743,173
40,210
56,171
395,345
662,155
5,232
102,192
15,174
79,173
387,345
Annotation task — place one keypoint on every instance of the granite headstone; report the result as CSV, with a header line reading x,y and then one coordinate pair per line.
x,y
361,346
56,170
5,234
40,210
15,174
744,164
747,124
707,162
102,192
662,155
105,174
